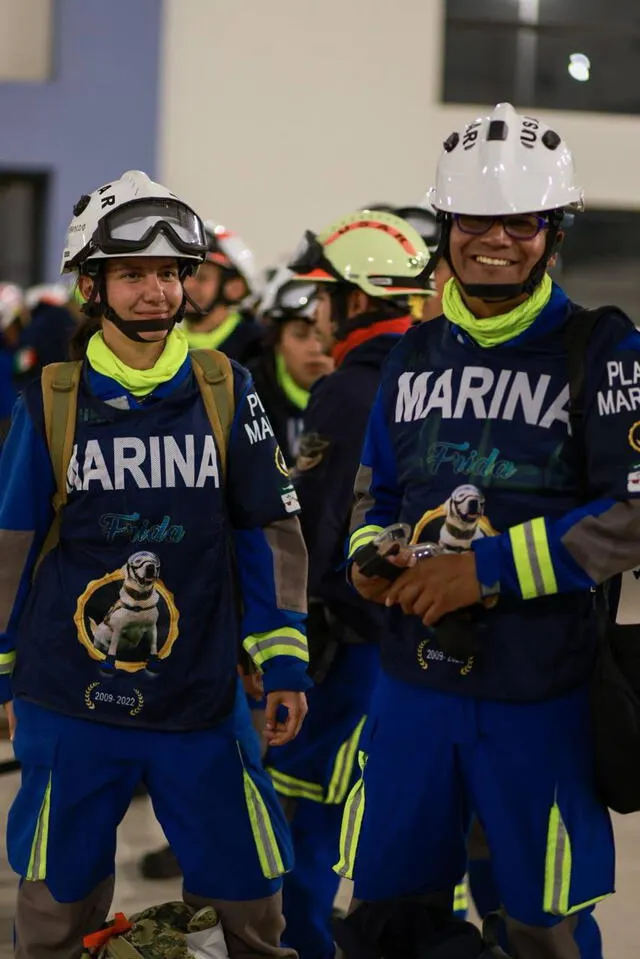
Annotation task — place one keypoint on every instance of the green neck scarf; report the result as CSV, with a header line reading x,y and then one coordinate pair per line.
x,y
213,338
294,393
139,382
494,330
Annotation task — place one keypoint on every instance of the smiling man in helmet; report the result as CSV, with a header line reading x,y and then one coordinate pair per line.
x,y
469,444
364,267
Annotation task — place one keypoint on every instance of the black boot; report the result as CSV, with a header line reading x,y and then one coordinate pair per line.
x,y
161,864
407,929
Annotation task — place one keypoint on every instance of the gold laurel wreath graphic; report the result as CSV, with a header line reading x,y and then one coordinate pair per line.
x,y
137,709
87,696
421,660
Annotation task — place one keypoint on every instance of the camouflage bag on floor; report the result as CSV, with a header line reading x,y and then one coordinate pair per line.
x,y
170,931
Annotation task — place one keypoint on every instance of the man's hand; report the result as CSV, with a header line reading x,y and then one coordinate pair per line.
x,y
11,720
436,586
277,734
376,588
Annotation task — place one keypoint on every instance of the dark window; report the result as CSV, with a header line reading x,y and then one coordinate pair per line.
x,y
23,198
521,50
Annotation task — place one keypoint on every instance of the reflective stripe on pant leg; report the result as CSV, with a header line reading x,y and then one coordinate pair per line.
x,y
263,835
343,767
295,788
557,876
37,869
461,897
351,825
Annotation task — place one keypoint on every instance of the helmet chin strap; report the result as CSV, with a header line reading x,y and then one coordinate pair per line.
x,y
97,307
499,292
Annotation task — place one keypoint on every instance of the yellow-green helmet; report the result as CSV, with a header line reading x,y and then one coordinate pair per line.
x,y
378,252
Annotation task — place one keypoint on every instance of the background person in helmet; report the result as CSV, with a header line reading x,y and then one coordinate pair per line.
x,y
478,401
128,629
217,317
292,359
12,318
365,266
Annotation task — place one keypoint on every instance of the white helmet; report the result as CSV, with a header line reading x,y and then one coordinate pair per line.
x,y
505,163
52,294
132,216
229,251
285,298
11,304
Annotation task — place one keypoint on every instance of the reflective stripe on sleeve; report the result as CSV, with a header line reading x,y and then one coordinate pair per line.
x,y
279,642
532,558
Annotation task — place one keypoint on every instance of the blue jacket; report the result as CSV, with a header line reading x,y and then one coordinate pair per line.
x,y
335,424
450,416
162,567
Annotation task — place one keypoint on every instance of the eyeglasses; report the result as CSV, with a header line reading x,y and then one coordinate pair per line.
x,y
519,226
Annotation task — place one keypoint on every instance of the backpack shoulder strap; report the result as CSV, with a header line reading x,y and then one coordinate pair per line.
x,y
214,374
578,332
60,383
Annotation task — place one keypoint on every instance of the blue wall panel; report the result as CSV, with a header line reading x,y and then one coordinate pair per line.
x,y
97,116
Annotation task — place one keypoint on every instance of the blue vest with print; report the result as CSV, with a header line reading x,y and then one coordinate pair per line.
x,y
460,417
133,617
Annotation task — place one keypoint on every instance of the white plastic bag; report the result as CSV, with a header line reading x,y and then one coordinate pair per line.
x,y
208,944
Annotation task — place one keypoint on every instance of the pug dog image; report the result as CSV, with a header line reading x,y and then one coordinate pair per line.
x,y
133,618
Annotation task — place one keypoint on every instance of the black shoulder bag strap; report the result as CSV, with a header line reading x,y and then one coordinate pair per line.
x,y
578,332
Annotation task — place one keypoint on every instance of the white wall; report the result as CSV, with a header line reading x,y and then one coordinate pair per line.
x,y
281,115
25,40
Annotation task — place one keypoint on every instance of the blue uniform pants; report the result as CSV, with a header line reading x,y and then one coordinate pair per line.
x,y
428,758
308,892
210,794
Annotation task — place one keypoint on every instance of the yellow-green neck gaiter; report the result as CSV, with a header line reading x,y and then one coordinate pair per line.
x,y
494,330
296,395
139,382
213,338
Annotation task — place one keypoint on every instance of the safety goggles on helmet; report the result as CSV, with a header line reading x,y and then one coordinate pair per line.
x,y
519,226
292,301
132,227
309,260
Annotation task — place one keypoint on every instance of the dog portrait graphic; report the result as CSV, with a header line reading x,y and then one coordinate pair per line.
x,y
456,523
132,621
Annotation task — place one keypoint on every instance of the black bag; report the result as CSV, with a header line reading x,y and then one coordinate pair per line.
x,y
616,679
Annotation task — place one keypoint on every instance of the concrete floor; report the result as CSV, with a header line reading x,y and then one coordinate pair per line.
x,y
619,916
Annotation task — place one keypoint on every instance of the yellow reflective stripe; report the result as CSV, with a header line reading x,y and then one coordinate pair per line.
x,y
295,788
590,902
532,558
278,642
37,868
362,536
343,767
557,872
263,834
351,826
7,662
460,897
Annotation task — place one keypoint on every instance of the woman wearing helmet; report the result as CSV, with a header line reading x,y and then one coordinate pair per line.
x,y
469,445
293,358
217,315
124,606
